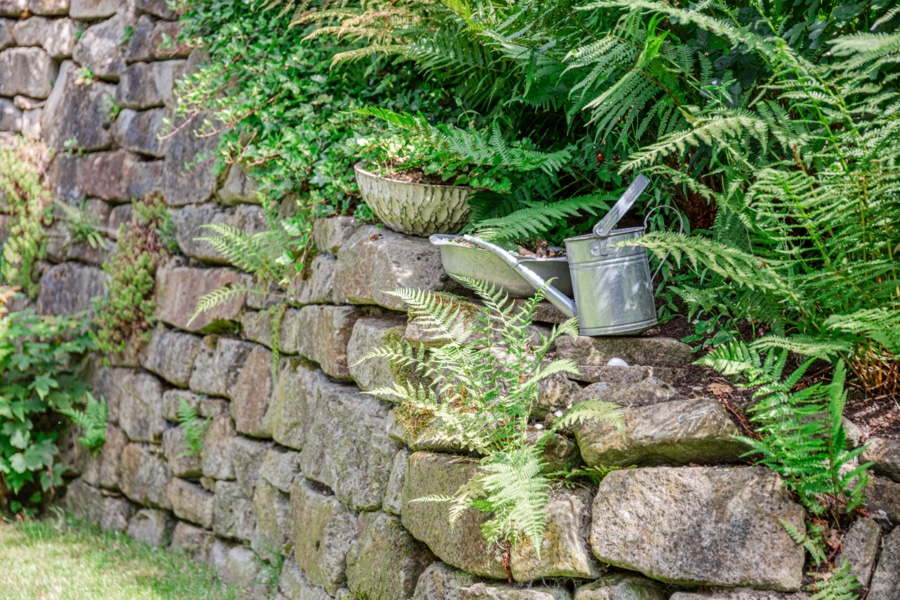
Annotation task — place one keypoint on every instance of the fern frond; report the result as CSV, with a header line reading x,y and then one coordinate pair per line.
x,y
92,421
537,218
220,296
592,410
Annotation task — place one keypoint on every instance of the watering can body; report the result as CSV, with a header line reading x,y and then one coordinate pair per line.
x,y
611,281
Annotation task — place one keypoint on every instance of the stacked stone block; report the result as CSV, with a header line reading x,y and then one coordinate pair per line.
x,y
297,459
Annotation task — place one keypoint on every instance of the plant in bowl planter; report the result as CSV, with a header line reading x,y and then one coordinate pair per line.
x,y
420,180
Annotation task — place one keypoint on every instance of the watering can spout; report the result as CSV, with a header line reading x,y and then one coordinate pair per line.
x,y
556,298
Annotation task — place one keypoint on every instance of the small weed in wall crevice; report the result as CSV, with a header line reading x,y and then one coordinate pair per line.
x,y
126,316
194,429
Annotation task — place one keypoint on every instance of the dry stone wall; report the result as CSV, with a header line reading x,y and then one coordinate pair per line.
x,y
297,460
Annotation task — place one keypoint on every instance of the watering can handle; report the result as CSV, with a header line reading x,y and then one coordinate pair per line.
x,y
621,207
680,231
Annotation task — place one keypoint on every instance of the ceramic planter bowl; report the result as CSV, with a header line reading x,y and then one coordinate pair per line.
x,y
415,208
460,260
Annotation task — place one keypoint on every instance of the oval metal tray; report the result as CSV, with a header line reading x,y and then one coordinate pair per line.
x,y
460,260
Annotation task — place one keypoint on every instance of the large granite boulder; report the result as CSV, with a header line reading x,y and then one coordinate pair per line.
x,y
461,545
323,532
375,261
347,446
321,334
385,561
76,116
68,288
144,477
27,71
680,432
650,351
700,526
565,551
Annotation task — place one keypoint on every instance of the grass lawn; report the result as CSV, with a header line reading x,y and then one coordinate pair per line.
x,y
59,559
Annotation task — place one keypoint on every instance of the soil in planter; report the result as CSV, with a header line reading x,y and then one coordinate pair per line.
x,y
416,175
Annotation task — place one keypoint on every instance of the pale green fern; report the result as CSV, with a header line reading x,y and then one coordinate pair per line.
x,y
194,429
92,421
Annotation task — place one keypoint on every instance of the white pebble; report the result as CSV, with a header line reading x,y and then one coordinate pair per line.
x,y
616,362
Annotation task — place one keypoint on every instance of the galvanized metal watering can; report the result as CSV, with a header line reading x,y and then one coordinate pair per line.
x,y
612,285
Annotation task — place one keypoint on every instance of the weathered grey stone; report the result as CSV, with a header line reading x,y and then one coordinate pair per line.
x,y
294,402
89,10
564,548
218,365
77,116
181,463
241,568
296,587
172,403
621,587
189,176
651,351
440,582
148,85
272,509
238,188
218,553
559,454
883,500
171,355
144,477
321,334
191,502
251,392
56,36
48,7
257,326
322,531
318,287
622,376
885,454
496,591
156,40
233,512
159,8
682,432
115,512
279,467
190,223
118,176
886,580
27,71
217,448
247,456
333,232
461,545
193,541
556,394
100,49
860,548
102,469
179,289
375,261
84,501
347,446
152,527
140,407
659,521
6,32
72,454
385,561
10,116
647,392
13,8
108,383
142,131
369,334
739,594
393,494
69,288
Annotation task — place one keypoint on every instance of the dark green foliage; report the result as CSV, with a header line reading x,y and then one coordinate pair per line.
x,y
125,317
92,421
194,429
39,361
27,201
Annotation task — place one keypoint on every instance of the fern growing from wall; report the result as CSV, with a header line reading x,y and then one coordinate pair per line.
x,y
92,421
478,389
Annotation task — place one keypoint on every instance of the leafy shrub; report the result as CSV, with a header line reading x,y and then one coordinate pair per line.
x,y
126,316
27,201
478,390
39,361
